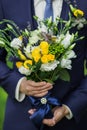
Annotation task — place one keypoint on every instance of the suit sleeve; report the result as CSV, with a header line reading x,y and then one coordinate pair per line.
x,y
77,99
8,78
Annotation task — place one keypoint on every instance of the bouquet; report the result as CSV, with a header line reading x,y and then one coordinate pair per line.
x,y
43,54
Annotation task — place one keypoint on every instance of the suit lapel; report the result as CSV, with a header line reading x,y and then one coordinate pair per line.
x,y
65,11
31,14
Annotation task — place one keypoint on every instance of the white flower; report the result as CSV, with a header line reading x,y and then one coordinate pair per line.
x,y
24,71
70,54
27,51
49,66
16,43
66,63
34,37
42,27
67,40
60,38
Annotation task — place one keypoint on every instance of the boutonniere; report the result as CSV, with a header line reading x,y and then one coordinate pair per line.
x,y
78,18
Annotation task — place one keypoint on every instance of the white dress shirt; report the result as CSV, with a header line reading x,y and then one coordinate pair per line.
x,y
39,6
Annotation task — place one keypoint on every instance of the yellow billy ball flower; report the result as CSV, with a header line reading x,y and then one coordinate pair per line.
x,y
51,57
27,63
78,13
44,59
19,64
21,55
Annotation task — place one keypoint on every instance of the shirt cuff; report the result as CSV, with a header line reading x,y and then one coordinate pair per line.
x,y
70,115
18,95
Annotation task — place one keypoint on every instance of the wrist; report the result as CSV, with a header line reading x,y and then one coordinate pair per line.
x,y
22,85
66,111
19,95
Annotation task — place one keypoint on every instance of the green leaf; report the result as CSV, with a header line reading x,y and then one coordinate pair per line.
x,y
64,75
55,77
10,64
48,80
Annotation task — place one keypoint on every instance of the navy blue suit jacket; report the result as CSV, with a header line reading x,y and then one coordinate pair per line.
x,y
73,93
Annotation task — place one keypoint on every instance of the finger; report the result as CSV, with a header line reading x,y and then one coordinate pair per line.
x,y
58,115
32,91
48,86
40,94
39,85
43,88
31,111
36,93
36,84
49,122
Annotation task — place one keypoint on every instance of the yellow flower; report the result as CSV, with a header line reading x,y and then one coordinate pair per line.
x,y
54,38
21,55
44,46
27,63
20,37
51,57
35,51
37,58
78,13
36,54
44,51
44,59
19,64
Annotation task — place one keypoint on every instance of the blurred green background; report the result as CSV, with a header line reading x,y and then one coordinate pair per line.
x,y
3,97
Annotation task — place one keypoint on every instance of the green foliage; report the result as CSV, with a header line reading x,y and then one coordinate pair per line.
x,y
64,75
3,97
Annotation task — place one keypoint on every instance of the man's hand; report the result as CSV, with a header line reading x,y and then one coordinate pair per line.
x,y
59,113
37,89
